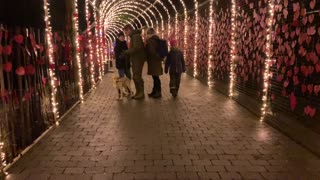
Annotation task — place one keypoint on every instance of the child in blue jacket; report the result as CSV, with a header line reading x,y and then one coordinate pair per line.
x,y
175,65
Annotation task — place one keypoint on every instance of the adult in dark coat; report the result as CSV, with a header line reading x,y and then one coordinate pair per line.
x,y
137,55
154,62
122,62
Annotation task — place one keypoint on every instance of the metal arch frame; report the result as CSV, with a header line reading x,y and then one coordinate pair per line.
x,y
107,6
135,5
132,9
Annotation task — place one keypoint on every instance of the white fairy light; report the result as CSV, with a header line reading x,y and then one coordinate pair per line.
x,y
185,29
53,79
210,56
269,50
77,43
90,46
195,71
233,46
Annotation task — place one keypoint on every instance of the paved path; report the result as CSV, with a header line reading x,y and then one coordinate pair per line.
x,y
200,135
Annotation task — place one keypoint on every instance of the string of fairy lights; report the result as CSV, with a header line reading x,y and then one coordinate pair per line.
x,y
77,43
210,82
93,82
196,34
269,49
53,79
233,47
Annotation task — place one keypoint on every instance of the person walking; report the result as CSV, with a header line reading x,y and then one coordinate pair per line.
x,y
122,62
137,55
154,62
175,65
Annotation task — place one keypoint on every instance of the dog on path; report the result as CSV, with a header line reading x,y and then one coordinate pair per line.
x,y
122,85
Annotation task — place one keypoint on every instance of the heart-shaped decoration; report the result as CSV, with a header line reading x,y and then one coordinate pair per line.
x,y
296,70
312,4
311,18
18,39
289,73
295,80
312,112
316,89
20,71
284,93
310,88
310,69
318,68
293,101
303,88
286,84
7,67
29,69
7,50
318,48
44,80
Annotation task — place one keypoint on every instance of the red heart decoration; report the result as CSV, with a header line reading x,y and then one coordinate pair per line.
x,y
286,83
7,50
310,88
7,67
303,88
284,93
316,89
289,73
18,39
20,71
296,70
295,80
307,110
29,69
318,68
310,69
312,112
293,101
27,96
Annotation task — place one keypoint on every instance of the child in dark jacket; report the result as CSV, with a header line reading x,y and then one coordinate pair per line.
x,y
175,65
122,62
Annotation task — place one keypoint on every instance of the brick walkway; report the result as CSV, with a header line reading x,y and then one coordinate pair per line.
x,y
200,135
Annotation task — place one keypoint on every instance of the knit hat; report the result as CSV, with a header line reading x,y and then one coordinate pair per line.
x,y
173,42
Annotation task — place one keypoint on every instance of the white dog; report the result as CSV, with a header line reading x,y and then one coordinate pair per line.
x,y
123,87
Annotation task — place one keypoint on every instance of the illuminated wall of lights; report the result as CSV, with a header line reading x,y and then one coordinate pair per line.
x,y
90,45
53,79
233,47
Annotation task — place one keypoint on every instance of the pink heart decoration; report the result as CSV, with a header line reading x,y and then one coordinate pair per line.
x,y
303,88
29,69
311,18
289,73
293,101
7,67
310,88
18,38
296,70
316,89
312,4
7,50
296,7
312,112
20,71
296,80
286,84
318,48
310,69
307,110
318,68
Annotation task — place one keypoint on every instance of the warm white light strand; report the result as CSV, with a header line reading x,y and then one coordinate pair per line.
x,y
195,70
90,45
233,46
53,79
268,60
210,44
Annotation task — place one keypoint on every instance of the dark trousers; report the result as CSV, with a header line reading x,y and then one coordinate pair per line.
x,y
175,79
156,84
137,67
127,72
